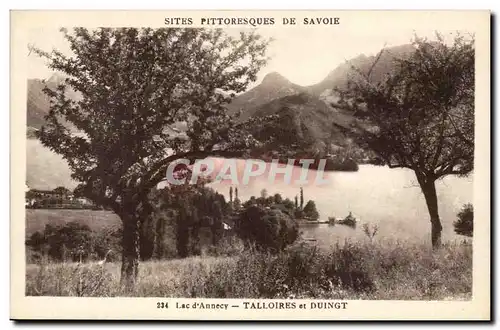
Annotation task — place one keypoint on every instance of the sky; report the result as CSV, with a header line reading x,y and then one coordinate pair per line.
x,y
305,56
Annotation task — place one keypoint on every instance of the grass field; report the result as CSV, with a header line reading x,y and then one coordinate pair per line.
x,y
348,271
36,219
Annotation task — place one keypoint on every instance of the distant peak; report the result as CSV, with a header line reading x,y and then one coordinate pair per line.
x,y
274,78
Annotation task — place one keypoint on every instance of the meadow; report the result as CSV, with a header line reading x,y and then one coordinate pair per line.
x,y
36,219
348,270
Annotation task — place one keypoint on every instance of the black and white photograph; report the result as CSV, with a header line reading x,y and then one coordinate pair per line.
x,y
229,162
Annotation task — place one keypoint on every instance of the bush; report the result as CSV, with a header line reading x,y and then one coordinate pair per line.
x,y
229,245
464,225
73,241
310,211
269,229
297,272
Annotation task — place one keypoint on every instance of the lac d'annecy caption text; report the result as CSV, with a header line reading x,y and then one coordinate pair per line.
x,y
271,305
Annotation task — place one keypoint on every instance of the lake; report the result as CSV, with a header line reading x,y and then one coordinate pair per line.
x,y
378,195
388,198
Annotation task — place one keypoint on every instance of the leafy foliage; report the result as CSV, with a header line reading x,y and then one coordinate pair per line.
x,y
63,191
135,85
310,211
421,116
186,210
132,90
269,229
74,241
464,225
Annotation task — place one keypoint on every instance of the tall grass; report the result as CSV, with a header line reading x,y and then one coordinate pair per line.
x,y
346,271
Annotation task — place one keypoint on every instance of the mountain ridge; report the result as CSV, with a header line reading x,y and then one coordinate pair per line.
x,y
305,113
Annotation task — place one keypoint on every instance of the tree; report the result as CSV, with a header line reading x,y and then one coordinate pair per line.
x,y
216,226
134,84
289,205
270,229
421,116
237,203
296,202
194,241
231,195
147,238
62,191
310,211
278,199
464,225
182,231
251,201
191,207
301,198
263,193
71,240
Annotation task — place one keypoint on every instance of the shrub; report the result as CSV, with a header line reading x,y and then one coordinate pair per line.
x,y
268,229
73,241
229,245
464,225
331,221
370,230
301,271
347,269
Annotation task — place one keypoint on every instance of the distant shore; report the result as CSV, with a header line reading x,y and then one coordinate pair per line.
x,y
314,222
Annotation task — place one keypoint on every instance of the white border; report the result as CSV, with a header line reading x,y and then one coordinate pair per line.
x,y
146,4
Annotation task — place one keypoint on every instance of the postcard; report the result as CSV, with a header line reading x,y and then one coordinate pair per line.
x,y
250,165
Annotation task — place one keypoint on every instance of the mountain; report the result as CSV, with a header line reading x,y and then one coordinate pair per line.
x,y
38,103
273,86
306,118
385,63
307,123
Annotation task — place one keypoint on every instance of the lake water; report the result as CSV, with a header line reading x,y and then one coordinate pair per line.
x,y
378,195
388,198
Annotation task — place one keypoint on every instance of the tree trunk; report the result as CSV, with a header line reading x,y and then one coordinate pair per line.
x,y
160,237
429,190
130,253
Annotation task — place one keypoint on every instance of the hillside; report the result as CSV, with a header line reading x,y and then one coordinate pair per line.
x,y
305,120
38,104
338,77
306,117
273,86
